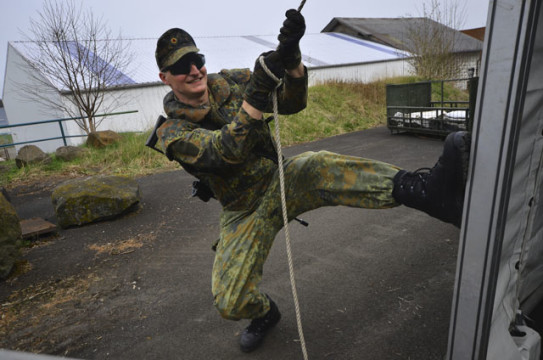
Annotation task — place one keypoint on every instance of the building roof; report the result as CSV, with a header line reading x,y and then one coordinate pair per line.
x,y
394,31
478,33
227,52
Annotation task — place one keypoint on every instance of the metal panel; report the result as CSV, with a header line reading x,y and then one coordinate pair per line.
x,y
498,185
362,72
417,94
532,154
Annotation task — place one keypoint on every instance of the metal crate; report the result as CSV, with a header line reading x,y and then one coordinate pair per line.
x,y
410,108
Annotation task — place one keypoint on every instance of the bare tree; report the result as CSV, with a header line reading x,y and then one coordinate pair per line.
x,y
72,53
432,38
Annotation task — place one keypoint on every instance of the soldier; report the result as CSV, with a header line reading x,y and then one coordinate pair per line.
x,y
215,130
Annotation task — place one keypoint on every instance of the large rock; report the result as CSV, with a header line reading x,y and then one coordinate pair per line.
x,y
10,236
100,139
31,154
69,153
81,201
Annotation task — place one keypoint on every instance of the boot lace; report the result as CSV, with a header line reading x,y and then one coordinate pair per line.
x,y
416,181
258,325
262,324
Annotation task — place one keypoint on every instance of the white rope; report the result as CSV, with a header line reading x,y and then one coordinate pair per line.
x,y
284,206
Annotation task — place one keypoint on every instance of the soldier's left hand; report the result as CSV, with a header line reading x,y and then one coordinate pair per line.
x,y
261,84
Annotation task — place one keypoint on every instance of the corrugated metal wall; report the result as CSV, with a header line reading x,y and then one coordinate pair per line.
x,y
367,72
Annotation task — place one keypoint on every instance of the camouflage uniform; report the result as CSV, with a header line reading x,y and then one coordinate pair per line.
x,y
234,156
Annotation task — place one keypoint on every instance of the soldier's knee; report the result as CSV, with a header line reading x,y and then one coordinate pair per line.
x,y
320,158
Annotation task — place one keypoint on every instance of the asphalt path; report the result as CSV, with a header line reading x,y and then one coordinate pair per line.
x,y
372,284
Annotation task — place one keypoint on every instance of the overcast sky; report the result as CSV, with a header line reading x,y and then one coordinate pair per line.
x,y
150,18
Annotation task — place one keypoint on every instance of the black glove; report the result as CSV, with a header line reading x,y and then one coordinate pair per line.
x,y
260,86
289,39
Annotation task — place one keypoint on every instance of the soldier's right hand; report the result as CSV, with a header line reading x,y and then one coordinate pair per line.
x,y
289,39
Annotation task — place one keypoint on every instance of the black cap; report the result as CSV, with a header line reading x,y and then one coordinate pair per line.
x,y
172,46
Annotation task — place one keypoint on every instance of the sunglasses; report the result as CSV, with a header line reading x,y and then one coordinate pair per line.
x,y
184,65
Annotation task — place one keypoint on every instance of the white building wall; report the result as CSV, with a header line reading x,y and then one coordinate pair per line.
x,y
366,72
467,62
146,100
20,109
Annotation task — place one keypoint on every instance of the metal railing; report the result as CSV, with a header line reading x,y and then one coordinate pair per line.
x,y
59,121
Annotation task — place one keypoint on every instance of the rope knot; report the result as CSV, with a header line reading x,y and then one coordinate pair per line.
x,y
272,76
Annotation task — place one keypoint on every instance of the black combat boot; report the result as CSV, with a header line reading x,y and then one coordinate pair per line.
x,y
439,191
252,336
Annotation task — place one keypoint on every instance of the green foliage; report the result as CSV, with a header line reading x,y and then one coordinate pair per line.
x,y
451,91
336,108
9,172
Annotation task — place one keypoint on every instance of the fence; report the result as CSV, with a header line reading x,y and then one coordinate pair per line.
x,y
63,136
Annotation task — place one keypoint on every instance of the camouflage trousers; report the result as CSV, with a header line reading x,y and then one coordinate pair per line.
x,y
312,180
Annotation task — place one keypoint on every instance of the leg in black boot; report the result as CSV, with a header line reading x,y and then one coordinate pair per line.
x,y
439,191
254,334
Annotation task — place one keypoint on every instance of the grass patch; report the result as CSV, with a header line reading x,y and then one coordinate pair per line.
x,y
129,157
450,93
336,108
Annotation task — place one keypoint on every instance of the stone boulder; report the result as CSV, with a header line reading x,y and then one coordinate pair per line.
x,y
10,237
31,154
69,153
82,201
100,139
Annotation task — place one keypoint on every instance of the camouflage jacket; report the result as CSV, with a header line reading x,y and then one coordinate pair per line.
x,y
230,152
